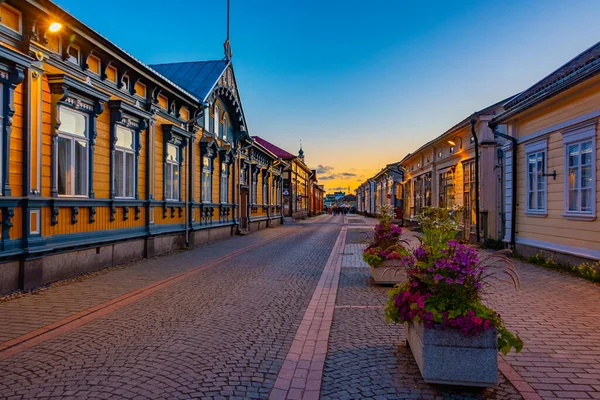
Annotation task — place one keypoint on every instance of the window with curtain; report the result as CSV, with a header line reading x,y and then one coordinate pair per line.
x,y
224,183
581,184
124,172
206,179
73,153
172,181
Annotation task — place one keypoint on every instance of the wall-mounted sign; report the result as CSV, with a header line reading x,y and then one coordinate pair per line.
x,y
286,192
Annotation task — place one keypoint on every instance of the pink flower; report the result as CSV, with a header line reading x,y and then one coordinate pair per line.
x,y
477,320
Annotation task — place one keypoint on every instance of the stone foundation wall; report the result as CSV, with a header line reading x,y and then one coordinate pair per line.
x,y
35,272
527,251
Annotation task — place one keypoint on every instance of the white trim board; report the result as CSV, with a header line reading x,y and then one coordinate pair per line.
x,y
560,125
560,248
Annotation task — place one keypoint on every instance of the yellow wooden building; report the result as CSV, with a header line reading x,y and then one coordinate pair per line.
x,y
107,160
555,129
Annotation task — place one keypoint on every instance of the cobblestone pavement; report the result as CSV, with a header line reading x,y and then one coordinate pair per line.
x,y
222,332
32,311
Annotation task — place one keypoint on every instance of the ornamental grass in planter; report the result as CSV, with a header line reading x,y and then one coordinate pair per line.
x,y
387,254
452,334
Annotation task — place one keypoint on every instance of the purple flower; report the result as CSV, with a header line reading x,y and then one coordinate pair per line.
x,y
449,281
438,277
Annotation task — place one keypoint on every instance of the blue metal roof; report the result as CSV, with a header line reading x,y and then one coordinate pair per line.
x,y
197,77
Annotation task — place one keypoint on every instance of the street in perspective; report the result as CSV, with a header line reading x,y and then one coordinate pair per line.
x,y
405,208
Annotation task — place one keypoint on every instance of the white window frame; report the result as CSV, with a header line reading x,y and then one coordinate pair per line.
x,y
206,183
73,138
540,146
224,183
572,136
125,151
173,164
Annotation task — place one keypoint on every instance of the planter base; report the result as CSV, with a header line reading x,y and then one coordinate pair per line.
x,y
446,356
389,272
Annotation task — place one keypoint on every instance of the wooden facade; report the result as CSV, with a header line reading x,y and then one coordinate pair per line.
x,y
557,186
100,150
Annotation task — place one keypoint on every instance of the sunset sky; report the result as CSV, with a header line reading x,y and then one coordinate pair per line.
x,y
359,83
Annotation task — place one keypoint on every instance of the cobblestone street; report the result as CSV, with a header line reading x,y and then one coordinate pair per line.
x,y
287,312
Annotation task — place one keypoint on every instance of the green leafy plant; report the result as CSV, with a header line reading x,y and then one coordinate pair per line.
x,y
586,270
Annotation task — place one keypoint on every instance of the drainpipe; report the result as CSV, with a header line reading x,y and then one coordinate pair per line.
x,y
473,122
188,193
513,220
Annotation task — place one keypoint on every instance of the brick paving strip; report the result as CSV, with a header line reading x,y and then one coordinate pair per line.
x,y
40,335
517,380
302,371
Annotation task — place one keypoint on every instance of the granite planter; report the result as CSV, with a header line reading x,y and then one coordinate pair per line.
x,y
446,356
389,272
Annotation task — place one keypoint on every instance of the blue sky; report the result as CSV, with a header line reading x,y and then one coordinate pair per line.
x,y
360,83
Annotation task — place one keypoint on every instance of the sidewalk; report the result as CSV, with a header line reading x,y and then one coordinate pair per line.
x,y
556,314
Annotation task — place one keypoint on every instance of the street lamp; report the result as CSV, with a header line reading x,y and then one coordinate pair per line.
x,y
55,27
452,142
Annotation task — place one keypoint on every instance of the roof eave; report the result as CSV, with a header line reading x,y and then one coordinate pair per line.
x,y
547,93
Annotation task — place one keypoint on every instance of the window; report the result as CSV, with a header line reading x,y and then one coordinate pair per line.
x,y
254,188
580,171
452,150
446,188
265,193
440,154
225,127
535,160
73,153
471,140
273,191
277,200
172,180
124,175
418,193
427,189
206,179
469,218
224,183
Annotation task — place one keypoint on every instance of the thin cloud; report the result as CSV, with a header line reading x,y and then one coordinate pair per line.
x,y
324,169
342,176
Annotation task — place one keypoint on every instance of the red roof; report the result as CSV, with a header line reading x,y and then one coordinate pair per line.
x,y
278,151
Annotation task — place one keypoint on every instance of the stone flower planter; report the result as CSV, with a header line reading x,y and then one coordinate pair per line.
x,y
446,356
389,272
